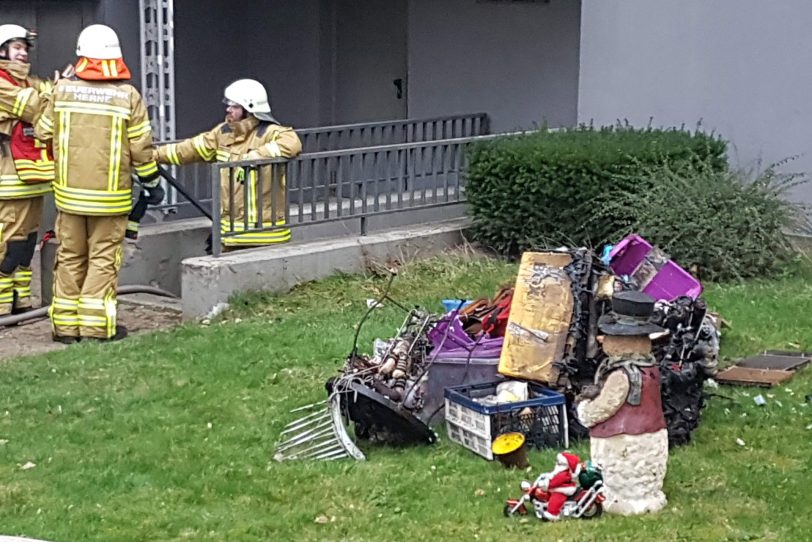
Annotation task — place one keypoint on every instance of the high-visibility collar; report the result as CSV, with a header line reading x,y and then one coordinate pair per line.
x,y
15,72
93,69
242,128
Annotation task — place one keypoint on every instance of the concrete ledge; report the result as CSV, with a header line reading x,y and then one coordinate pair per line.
x,y
156,258
207,281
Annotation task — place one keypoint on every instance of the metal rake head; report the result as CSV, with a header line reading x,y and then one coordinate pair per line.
x,y
320,434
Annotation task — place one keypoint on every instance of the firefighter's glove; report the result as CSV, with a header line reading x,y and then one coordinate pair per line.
x,y
240,172
45,87
155,194
253,155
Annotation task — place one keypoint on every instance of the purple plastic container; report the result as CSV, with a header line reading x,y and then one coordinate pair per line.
x,y
671,280
458,344
628,254
461,360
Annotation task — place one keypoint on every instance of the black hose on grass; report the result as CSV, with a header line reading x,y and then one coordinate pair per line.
x,y
15,319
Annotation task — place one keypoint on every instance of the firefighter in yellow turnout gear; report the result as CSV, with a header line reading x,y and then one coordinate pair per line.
x,y
101,135
26,168
248,133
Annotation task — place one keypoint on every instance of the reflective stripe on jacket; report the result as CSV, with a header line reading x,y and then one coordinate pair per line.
x,y
31,173
252,195
101,135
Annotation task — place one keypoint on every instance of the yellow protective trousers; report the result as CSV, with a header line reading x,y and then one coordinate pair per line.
x,y
86,275
19,222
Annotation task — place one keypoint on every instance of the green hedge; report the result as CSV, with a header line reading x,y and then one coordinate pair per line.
x,y
721,224
540,189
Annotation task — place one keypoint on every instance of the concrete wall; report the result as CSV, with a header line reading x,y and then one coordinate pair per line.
x,y
321,67
274,41
516,61
742,67
207,281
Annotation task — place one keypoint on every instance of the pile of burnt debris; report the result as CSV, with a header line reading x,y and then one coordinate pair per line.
x,y
542,331
687,351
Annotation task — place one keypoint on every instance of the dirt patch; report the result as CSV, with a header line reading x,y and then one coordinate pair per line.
x,y
35,338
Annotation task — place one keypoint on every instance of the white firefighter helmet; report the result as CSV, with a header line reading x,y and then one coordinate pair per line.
x,y
252,96
99,42
10,32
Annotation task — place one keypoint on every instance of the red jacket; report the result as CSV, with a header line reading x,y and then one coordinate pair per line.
x,y
33,160
562,480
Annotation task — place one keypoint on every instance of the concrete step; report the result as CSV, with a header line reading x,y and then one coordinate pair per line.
x,y
156,258
207,280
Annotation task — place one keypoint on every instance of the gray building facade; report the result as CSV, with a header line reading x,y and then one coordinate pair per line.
x,y
743,68
738,67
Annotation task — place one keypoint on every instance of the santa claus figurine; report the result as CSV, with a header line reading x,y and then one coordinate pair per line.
x,y
561,483
628,435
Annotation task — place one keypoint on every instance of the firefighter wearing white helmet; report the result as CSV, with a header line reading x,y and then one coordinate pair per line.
x,y
26,167
249,132
98,41
251,95
102,135
9,32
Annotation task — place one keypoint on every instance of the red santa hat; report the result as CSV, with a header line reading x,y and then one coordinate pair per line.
x,y
570,461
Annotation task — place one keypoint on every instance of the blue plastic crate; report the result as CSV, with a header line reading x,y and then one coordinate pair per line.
x,y
542,418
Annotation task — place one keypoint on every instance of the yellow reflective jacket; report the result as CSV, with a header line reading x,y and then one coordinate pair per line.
x,y
101,136
228,142
24,102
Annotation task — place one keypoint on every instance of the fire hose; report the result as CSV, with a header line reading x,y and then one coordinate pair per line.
x,y
140,209
43,311
182,191
141,205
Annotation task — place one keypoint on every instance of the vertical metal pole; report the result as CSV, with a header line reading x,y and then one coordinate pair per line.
x,y
285,194
247,188
216,210
374,169
142,25
350,169
299,178
156,20
333,165
445,158
231,196
313,183
276,181
403,172
260,187
389,158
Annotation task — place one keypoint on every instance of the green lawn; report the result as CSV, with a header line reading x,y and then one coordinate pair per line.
x,y
170,436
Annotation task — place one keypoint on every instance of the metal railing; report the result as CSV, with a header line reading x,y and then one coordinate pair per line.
x,y
196,178
392,132
349,184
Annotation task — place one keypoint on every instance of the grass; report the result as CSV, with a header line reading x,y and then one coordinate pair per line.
x,y
169,436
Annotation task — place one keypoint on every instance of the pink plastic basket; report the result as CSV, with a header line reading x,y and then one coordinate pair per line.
x,y
671,280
